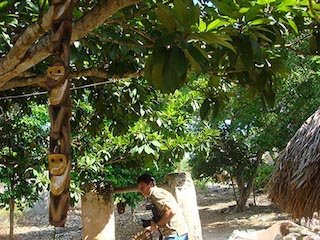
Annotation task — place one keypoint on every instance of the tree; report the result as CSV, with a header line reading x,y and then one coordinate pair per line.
x,y
236,41
165,42
22,148
249,128
157,142
235,153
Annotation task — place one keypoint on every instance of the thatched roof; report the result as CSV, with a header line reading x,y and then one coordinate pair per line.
x,y
295,183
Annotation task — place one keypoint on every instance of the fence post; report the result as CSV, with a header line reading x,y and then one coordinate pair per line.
x,y
183,189
98,216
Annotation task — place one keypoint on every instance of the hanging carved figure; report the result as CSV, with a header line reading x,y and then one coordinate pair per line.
x,y
60,111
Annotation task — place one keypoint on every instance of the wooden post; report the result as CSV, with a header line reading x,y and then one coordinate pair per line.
x,y
182,188
97,216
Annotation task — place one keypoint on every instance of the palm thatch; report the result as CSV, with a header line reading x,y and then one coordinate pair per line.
x,y
295,184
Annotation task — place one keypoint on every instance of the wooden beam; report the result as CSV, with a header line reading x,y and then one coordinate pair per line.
x,y
133,189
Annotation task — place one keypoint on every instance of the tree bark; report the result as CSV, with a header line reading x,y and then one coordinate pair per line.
x,y
11,213
25,41
39,81
31,55
182,188
244,189
97,216
244,192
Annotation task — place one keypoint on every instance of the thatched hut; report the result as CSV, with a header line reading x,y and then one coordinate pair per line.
x,y
295,183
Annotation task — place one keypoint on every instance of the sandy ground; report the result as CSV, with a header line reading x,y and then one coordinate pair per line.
x,y
216,209
219,219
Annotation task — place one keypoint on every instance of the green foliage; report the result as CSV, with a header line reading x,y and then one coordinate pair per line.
x,y
157,142
230,154
22,147
263,176
239,42
202,184
197,51
254,129
166,69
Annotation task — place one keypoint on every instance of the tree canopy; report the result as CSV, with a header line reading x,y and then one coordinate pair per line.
x,y
122,50
236,41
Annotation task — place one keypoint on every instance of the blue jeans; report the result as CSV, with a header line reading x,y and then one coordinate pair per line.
x,y
176,237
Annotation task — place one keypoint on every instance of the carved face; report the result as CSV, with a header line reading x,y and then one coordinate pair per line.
x,y
56,72
57,164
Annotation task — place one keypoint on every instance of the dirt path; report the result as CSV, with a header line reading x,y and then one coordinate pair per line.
x,y
216,211
219,220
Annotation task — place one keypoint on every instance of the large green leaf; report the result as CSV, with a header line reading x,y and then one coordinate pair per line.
x,y
196,57
260,21
265,2
186,12
215,39
159,58
269,95
217,23
3,5
179,61
205,108
252,12
244,49
170,76
293,25
228,9
202,26
195,65
174,70
165,16
179,10
313,44
167,68
286,5
148,69
261,80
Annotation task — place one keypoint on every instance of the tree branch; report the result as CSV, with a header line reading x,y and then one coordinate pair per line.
x,y
27,39
298,40
39,51
300,52
39,81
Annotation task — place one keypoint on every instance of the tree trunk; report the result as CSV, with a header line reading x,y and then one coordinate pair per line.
x,y
182,188
97,216
244,189
243,194
11,212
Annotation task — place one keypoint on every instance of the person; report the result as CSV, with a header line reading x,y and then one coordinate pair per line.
x,y
171,223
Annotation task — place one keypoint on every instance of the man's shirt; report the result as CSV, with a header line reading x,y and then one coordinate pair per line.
x,y
162,199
